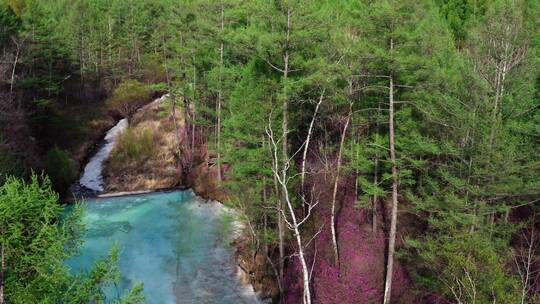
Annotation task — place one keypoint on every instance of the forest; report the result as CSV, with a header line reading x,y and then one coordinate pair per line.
x,y
378,151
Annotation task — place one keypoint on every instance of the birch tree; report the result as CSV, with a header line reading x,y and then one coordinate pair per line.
x,y
282,35
288,212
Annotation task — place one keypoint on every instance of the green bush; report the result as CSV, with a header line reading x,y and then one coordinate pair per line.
x,y
60,168
37,238
128,97
135,144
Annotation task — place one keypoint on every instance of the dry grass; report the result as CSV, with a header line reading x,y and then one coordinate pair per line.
x,y
144,157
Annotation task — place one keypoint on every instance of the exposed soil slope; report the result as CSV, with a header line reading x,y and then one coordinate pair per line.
x,y
154,170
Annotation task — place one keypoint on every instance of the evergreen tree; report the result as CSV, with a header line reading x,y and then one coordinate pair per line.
x,y
35,242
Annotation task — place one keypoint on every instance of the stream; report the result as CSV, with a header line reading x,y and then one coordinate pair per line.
x,y
91,181
173,242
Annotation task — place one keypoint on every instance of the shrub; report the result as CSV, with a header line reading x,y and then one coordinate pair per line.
x,y
37,238
134,144
60,168
127,97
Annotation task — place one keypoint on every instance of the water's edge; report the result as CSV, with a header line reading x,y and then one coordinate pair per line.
x,y
91,186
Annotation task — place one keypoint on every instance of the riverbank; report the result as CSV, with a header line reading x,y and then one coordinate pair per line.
x,y
130,171
144,157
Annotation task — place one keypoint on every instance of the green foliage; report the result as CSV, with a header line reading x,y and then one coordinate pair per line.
x,y
152,72
9,24
461,15
128,97
467,147
473,266
61,169
35,243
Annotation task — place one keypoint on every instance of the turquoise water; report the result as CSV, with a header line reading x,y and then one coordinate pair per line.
x,y
172,242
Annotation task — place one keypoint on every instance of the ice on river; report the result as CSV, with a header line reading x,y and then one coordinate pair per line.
x,y
172,242
92,177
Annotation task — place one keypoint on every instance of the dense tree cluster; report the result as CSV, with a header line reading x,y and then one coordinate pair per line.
x,y
427,112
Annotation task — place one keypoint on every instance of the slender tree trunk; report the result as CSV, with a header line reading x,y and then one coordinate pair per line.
x,y
301,256
528,263
308,140
109,42
336,183
375,181
288,215
13,70
298,237
281,227
375,196
393,221
285,145
265,218
281,237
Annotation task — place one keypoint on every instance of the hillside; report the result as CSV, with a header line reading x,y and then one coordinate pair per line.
x,y
377,151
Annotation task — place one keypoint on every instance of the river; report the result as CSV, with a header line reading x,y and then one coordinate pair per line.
x,y
173,242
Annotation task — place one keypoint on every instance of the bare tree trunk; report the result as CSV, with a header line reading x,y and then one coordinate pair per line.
x,y
18,49
285,145
175,123
375,197
393,221
298,237
504,52
288,215
281,237
308,139
285,106
336,183
265,218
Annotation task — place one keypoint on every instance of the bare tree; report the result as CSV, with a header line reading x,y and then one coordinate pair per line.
x,y
336,183
375,198
525,258
18,46
285,69
501,47
308,139
292,220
